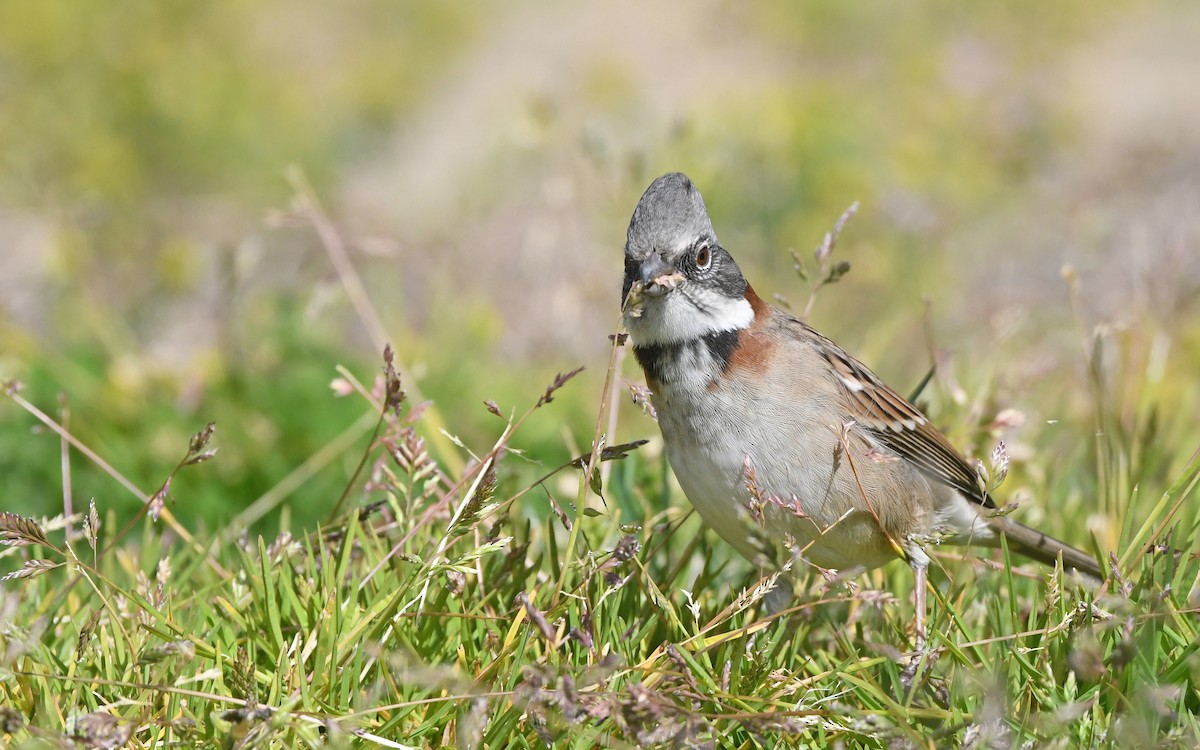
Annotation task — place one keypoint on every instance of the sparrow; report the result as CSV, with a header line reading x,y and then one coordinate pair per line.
x,y
774,432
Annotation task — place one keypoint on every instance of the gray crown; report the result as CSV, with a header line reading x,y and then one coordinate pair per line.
x,y
668,219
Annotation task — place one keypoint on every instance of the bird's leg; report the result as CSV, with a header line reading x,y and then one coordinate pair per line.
x,y
908,677
919,586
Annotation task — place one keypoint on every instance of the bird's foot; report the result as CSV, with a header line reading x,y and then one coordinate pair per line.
x,y
919,666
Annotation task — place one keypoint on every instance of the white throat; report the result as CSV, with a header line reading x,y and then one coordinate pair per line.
x,y
686,314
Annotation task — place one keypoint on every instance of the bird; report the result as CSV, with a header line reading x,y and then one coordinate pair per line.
x,y
776,434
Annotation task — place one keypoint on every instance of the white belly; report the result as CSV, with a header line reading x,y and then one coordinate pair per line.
x,y
709,451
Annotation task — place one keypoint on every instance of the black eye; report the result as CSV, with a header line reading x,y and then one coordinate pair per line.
x,y
703,258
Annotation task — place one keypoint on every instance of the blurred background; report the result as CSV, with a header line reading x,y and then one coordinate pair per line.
x,y
481,161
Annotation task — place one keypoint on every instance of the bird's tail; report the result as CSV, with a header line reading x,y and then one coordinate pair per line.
x,y
1046,549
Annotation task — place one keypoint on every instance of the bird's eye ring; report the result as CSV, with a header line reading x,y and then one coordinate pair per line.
x,y
703,257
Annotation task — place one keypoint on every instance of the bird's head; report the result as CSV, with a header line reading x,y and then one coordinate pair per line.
x,y
680,284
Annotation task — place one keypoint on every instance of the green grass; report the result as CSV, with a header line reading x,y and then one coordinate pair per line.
x,y
455,598
473,606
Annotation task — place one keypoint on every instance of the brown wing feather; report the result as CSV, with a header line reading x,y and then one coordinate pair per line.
x,y
899,425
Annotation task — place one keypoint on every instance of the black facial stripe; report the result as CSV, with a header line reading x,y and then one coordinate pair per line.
x,y
631,273
724,274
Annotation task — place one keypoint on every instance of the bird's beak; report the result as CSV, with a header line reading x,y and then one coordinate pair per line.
x,y
658,276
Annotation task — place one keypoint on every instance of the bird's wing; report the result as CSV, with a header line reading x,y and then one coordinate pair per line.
x,y
899,425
